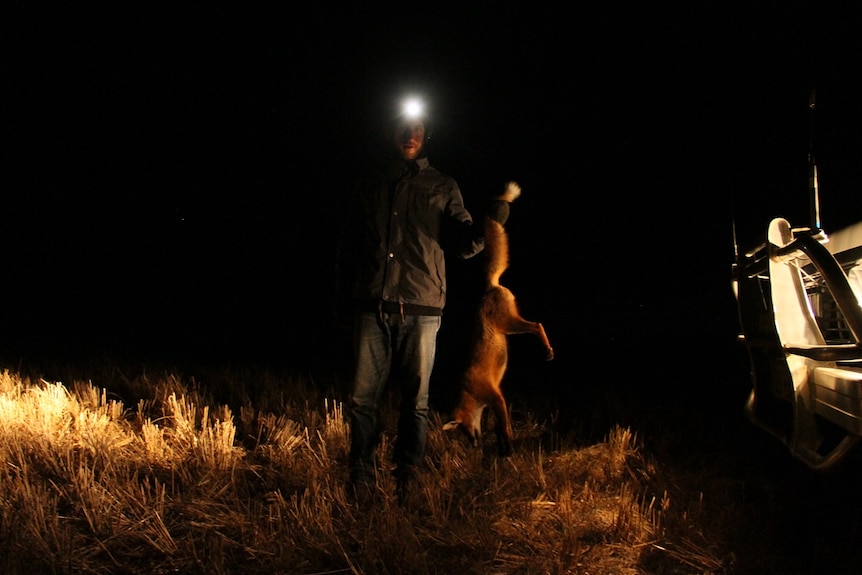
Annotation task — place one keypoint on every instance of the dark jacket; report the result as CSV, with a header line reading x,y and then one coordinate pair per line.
x,y
401,220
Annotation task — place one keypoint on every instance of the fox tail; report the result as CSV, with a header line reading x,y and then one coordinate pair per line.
x,y
496,241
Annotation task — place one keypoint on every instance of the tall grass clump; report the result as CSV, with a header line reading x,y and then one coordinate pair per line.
x,y
167,481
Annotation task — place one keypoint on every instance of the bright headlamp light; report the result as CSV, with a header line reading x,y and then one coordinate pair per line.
x,y
413,108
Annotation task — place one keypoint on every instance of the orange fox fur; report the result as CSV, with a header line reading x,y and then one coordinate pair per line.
x,y
497,317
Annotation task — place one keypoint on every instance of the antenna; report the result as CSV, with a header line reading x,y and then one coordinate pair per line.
x,y
814,194
735,242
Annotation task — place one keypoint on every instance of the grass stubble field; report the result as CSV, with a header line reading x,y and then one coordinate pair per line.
x,y
110,467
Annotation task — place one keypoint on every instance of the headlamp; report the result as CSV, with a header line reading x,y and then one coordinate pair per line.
x,y
413,108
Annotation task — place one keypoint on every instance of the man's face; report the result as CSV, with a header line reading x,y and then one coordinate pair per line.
x,y
409,137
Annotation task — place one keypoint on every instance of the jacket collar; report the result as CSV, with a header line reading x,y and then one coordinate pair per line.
x,y
412,167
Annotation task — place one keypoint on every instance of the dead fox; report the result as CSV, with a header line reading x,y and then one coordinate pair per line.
x,y
497,317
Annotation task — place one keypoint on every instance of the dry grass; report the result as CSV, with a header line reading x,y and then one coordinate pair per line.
x,y
174,482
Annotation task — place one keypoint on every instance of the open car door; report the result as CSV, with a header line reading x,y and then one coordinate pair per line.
x,y
798,296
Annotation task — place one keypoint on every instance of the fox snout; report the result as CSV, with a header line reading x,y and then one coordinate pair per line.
x,y
472,434
468,419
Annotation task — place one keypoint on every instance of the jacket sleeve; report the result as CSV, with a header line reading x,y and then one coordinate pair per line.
x,y
467,239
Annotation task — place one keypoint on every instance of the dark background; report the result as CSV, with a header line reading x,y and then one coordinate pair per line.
x,y
175,176
174,179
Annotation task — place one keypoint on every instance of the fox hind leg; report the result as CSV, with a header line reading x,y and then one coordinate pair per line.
x,y
516,325
510,322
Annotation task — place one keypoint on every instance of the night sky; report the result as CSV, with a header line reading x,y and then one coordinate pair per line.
x,y
176,176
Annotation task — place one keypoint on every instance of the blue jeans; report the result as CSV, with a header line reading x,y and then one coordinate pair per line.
x,y
403,348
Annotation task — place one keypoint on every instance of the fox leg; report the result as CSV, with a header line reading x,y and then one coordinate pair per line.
x,y
540,333
503,425
474,428
508,319
517,324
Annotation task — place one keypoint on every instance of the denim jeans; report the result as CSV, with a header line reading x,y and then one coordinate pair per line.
x,y
401,348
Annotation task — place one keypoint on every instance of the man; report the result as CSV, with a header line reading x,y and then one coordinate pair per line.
x,y
391,278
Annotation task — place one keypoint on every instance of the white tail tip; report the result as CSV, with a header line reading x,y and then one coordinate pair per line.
x,y
513,190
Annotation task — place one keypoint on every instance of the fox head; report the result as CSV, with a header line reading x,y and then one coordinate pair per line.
x,y
469,421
